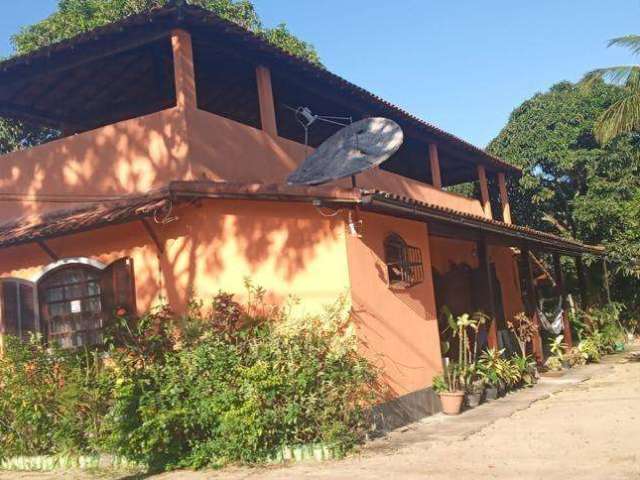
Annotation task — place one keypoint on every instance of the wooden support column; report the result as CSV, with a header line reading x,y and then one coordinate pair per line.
x,y
484,191
582,283
153,235
605,278
504,198
434,163
265,98
562,290
184,73
532,302
485,267
53,255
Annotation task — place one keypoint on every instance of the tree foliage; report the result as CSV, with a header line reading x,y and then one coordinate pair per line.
x,y
572,185
77,16
623,116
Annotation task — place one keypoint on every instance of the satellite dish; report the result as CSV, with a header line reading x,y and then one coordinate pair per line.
x,y
351,150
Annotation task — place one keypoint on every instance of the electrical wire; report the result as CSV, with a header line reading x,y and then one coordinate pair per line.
x,y
332,214
58,198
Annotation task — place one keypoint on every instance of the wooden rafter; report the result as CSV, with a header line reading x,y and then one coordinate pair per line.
x,y
43,245
89,53
32,115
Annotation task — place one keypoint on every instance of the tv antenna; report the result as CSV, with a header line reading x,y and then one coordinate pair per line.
x,y
306,118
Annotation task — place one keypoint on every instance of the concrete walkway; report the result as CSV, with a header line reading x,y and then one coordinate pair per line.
x,y
583,425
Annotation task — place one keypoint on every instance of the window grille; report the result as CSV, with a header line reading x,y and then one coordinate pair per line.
x,y
404,262
71,304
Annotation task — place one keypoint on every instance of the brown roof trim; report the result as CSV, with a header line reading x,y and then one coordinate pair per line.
x,y
62,222
161,20
385,202
96,215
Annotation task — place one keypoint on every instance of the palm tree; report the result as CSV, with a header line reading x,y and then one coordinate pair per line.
x,y
624,115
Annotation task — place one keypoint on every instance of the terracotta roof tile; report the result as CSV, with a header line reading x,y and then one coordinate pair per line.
x,y
96,215
535,235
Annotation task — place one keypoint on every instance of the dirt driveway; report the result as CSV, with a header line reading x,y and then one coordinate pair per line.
x,y
586,430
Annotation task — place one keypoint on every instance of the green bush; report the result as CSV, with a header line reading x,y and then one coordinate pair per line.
x,y
218,385
599,330
51,401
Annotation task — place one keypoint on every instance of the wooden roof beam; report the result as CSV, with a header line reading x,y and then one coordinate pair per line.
x,y
80,55
34,116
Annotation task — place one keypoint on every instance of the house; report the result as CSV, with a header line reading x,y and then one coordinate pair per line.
x,y
171,136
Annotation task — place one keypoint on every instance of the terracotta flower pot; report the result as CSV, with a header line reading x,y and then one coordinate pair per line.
x,y
451,402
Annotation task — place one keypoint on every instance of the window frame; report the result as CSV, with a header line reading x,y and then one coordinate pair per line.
x,y
407,270
36,304
43,303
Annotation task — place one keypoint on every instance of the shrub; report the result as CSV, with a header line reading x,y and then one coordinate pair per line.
x,y
223,383
51,401
218,402
599,330
589,349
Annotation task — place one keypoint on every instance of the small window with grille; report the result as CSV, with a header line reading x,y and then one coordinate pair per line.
x,y
404,262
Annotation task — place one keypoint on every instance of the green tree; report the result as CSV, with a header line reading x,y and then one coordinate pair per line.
x,y
572,185
623,116
77,16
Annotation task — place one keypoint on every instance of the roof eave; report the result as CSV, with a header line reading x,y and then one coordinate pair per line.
x,y
416,210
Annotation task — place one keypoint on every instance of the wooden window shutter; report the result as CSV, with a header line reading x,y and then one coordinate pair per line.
x,y
18,308
118,289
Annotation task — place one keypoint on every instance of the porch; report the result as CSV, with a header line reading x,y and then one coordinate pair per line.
x,y
483,265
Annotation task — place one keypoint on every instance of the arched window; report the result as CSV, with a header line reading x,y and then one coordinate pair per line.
x,y
75,299
71,305
404,262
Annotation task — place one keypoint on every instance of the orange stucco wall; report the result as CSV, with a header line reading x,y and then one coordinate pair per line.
x,y
259,157
130,156
287,248
175,144
397,330
445,251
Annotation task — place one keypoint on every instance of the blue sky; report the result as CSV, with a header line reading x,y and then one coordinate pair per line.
x,y
463,65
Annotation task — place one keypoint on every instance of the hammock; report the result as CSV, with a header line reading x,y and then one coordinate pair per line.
x,y
556,325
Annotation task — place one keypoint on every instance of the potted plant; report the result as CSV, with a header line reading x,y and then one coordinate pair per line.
x,y
553,366
449,389
462,327
527,370
558,348
474,385
575,357
474,392
489,368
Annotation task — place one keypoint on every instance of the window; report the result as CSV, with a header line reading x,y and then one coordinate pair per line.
x,y
74,302
18,308
71,307
404,263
